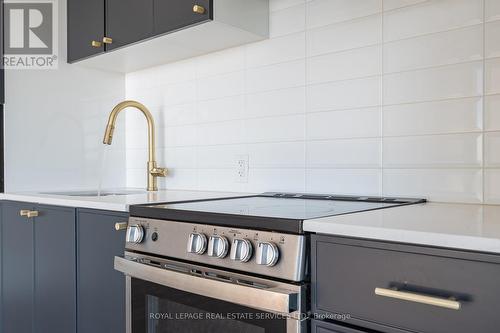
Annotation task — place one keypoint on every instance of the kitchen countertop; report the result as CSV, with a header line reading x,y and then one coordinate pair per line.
x,y
115,202
459,226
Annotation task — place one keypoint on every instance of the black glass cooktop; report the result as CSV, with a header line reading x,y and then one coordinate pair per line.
x,y
270,211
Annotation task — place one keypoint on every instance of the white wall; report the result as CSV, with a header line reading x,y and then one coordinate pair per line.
x,y
393,97
54,124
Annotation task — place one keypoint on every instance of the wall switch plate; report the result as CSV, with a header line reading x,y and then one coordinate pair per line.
x,y
241,168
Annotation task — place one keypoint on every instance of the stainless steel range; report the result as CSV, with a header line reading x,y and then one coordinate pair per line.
x,y
225,265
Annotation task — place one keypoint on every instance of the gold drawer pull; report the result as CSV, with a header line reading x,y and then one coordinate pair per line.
x,y
96,43
417,298
32,213
199,9
107,40
121,226
24,212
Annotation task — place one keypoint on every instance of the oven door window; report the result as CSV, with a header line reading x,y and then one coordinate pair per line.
x,y
159,309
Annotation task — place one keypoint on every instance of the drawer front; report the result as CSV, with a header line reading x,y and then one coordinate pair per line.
x,y
347,272
326,327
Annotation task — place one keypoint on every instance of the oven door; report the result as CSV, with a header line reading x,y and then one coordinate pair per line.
x,y
161,299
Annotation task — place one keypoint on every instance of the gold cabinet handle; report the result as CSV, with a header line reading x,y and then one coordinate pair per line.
x,y
96,43
32,213
199,9
24,212
418,298
107,40
121,226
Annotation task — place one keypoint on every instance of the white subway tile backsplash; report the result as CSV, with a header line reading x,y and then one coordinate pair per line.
x,y
279,76
492,39
372,97
455,185
221,109
348,153
431,16
452,81
178,135
181,114
225,61
492,112
276,180
287,21
394,4
227,132
492,149
356,123
276,50
492,186
461,45
492,10
437,151
492,76
277,155
437,117
219,156
220,86
343,36
350,64
325,12
276,102
344,181
284,128
348,94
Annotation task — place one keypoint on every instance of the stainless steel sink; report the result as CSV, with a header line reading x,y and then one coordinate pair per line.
x,y
94,193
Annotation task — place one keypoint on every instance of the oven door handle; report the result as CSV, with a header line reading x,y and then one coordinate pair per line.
x,y
272,299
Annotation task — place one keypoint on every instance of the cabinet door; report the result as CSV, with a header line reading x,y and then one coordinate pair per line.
x,y
176,14
55,270
101,289
17,270
128,21
85,24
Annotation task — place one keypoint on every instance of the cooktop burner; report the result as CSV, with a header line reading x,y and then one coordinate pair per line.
x,y
269,211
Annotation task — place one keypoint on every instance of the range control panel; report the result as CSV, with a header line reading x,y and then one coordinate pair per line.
x,y
261,252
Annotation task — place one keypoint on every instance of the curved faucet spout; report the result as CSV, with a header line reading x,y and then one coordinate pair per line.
x,y
153,170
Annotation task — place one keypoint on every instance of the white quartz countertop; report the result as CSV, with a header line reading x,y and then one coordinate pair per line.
x,y
458,226
115,202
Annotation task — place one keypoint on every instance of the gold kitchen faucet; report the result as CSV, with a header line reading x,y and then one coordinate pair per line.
x,y
153,171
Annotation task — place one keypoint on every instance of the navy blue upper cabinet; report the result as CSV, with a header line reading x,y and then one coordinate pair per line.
x,y
177,14
128,21
85,28
138,34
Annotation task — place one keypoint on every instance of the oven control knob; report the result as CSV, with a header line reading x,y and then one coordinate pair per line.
x,y
267,253
135,234
217,246
197,243
241,250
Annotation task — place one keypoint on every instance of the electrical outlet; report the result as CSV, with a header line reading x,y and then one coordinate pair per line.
x,y
241,168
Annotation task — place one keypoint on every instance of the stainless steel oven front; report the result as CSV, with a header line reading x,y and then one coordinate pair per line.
x,y
165,295
189,277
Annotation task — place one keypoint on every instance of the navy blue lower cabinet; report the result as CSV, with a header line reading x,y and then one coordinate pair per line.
x,y
101,289
38,268
55,272
17,268
389,287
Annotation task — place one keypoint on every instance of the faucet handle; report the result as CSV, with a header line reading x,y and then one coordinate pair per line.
x,y
159,172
